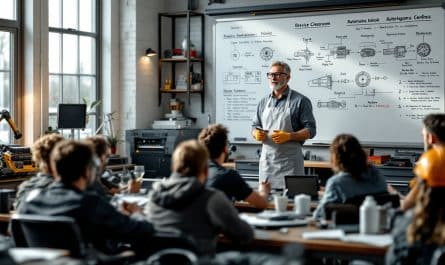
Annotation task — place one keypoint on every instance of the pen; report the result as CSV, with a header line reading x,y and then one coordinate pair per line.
x,y
261,129
267,179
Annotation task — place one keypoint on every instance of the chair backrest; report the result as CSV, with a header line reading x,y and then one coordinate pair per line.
x,y
172,256
172,239
380,198
343,213
438,257
59,232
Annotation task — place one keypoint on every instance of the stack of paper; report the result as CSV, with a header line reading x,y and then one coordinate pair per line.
x,y
324,234
338,234
375,240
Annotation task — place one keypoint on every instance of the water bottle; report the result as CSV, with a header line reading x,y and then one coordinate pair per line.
x,y
369,216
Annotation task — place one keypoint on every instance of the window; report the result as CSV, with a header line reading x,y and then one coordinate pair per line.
x,y
9,28
73,57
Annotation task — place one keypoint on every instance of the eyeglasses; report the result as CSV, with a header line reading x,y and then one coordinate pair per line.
x,y
275,75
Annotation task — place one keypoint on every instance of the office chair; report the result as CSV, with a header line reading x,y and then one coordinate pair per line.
x,y
48,231
438,257
171,240
172,256
59,232
342,213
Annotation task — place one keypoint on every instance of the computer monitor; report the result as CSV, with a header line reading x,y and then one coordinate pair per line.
x,y
307,184
71,116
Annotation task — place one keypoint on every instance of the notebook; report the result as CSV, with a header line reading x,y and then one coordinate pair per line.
x,y
307,184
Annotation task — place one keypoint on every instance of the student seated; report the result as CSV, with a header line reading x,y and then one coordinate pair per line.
x,y
433,132
229,181
102,152
353,175
182,202
41,150
420,230
99,221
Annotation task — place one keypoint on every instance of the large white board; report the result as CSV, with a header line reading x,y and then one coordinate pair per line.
x,y
372,74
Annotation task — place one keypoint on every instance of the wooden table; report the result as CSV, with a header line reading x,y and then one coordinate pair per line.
x,y
274,240
243,206
5,217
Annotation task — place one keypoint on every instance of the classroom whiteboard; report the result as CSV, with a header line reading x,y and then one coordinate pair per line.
x,y
372,74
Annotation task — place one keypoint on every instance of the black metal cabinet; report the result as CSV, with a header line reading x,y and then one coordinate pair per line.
x,y
398,177
153,148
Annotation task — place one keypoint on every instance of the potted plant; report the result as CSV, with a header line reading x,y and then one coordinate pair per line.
x,y
113,140
90,107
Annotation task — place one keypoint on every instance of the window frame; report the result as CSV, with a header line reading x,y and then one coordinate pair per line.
x,y
14,27
98,50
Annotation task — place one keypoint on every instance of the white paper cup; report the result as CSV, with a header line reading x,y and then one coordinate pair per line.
x,y
302,204
280,203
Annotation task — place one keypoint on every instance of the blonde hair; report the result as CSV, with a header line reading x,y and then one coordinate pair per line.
x,y
41,150
190,158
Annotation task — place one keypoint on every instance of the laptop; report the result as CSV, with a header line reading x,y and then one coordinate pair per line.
x,y
297,184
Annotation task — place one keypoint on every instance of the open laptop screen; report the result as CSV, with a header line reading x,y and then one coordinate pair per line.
x,y
307,184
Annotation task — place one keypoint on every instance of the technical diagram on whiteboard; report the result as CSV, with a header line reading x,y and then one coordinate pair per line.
x,y
363,79
235,55
266,53
231,78
339,51
324,81
306,53
249,77
367,49
252,77
332,104
398,51
423,49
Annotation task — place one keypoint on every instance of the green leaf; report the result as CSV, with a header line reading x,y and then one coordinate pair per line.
x,y
95,103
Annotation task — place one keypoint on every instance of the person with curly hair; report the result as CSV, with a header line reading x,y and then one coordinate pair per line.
x,y
229,181
99,222
420,230
353,175
41,151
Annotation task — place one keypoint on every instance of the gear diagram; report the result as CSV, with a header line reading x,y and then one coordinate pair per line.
x,y
363,79
266,53
423,49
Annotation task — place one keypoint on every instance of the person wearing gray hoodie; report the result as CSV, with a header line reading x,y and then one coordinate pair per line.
x,y
183,202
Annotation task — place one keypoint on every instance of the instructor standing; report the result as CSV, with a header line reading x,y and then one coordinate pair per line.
x,y
284,120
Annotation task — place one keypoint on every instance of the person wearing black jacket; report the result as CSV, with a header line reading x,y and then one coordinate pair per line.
x,y
98,220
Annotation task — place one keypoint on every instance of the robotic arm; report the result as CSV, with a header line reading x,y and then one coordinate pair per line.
x,y
4,114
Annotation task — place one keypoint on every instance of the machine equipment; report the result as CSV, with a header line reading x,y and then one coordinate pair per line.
x,y
153,148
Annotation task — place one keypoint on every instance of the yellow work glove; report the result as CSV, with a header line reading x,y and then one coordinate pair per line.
x,y
280,137
259,135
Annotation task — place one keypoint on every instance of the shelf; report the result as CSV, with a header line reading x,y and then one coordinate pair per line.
x,y
180,60
167,67
181,14
180,91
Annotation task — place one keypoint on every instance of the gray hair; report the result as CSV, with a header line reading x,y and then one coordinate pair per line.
x,y
282,64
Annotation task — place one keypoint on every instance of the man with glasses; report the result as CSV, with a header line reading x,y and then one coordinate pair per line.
x,y
284,120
